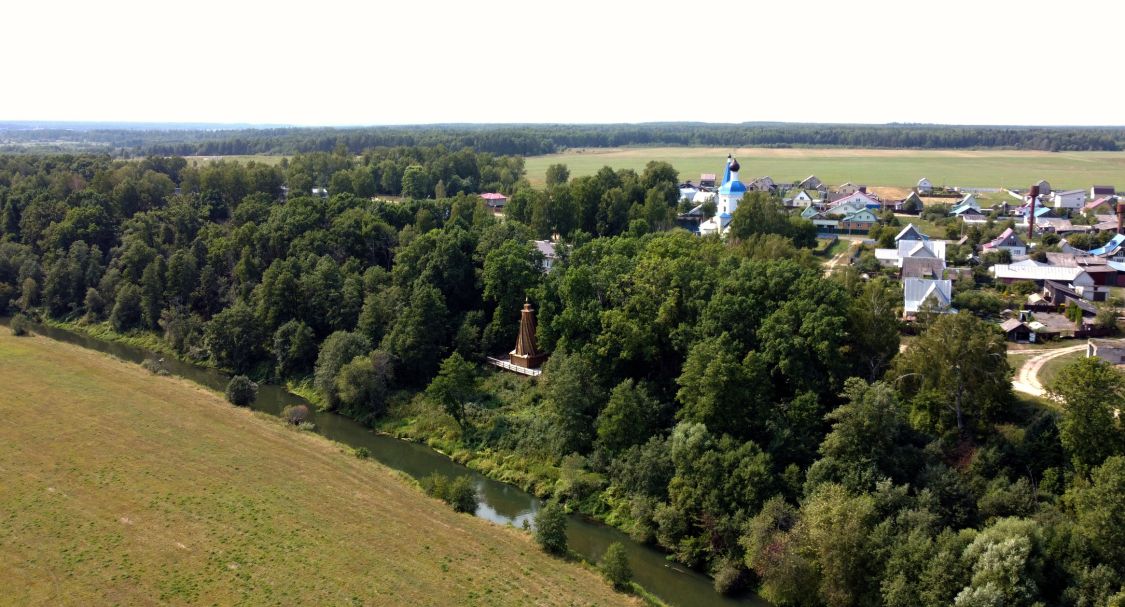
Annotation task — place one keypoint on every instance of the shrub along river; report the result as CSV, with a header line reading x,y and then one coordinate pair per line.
x,y
499,502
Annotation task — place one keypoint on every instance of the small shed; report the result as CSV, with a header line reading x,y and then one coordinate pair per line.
x,y
1111,351
494,200
1016,331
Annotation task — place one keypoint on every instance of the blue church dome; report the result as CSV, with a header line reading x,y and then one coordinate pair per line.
x,y
733,186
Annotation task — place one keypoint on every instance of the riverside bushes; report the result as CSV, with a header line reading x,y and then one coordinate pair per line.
x,y
459,492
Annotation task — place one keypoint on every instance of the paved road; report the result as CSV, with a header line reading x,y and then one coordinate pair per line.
x,y
1027,379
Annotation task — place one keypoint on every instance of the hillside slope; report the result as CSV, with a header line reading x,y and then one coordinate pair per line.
x,y
119,487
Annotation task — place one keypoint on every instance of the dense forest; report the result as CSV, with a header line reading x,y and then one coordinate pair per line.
x,y
533,139
721,399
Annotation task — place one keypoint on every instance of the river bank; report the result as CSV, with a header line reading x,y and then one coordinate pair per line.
x,y
500,502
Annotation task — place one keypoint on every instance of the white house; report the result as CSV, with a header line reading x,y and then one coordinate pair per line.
x,y
1075,278
970,201
702,197
688,191
919,292
800,198
924,186
550,255
1070,199
915,258
852,203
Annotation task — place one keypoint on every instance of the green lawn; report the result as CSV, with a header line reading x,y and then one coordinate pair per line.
x,y
1052,367
903,168
118,487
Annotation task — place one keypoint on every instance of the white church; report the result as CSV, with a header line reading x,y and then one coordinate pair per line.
x,y
730,192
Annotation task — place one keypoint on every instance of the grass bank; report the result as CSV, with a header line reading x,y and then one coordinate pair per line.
x,y
125,488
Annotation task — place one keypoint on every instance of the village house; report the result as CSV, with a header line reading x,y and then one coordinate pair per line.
x,y
812,183
1059,294
1112,352
859,221
1059,225
1100,205
799,198
1114,250
1044,187
550,255
924,186
1016,330
707,180
850,188
852,203
920,293
825,224
1070,200
1099,191
762,184
910,232
967,212
1100,269
1077,279
912,203
494,200
688,190
1009,241
915,258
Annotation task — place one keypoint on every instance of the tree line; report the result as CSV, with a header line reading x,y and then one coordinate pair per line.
x,y
720,399
536,139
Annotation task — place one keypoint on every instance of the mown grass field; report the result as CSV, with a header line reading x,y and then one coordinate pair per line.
x,y
902,168
245,159
118,487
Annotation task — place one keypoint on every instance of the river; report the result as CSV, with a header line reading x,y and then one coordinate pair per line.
x,y
500,502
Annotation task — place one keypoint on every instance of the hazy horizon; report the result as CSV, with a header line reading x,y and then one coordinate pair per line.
x,y
193,125
960,62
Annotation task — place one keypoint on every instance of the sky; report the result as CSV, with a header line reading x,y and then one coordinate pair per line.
x,y
331,62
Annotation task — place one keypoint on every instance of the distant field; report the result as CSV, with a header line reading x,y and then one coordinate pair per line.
x,y
260,158
118,487
901,168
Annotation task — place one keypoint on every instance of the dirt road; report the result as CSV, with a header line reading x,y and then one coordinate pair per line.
x,y
1027,378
